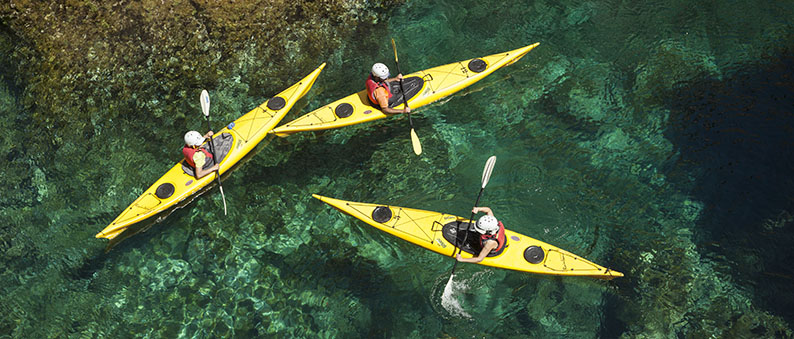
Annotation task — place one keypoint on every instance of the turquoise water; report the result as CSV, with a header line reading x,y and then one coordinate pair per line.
x,y
653,138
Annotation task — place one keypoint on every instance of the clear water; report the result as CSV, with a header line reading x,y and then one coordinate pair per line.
x,y
651,137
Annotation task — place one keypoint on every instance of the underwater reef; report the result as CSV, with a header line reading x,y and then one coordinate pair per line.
x,y
82,64
624,137
76,72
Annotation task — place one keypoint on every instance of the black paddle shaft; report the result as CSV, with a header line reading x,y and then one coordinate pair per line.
x,y
212,146
212,152
466,236
402,90
405,101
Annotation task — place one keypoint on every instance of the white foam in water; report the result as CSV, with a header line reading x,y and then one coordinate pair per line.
x,y
448,300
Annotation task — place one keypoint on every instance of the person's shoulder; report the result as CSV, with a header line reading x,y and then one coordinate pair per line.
x,y
379,91
199,157
490,245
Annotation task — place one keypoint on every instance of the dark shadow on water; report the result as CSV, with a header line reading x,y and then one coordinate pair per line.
x,y
9,66
736,137
318,268
612,326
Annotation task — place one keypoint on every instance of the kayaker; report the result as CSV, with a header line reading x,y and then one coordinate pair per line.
x,y
492,236
378,88
196,156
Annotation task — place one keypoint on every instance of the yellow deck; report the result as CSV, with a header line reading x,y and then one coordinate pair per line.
x,y
439,82
247,132
424,228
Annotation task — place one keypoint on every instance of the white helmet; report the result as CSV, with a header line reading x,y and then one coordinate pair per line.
x,y
193,138
487,225
380,70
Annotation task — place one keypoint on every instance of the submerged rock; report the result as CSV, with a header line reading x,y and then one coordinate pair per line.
x,y
83,64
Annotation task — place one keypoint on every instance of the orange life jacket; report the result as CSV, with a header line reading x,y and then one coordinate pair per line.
x,y
372,85
190,151
500,238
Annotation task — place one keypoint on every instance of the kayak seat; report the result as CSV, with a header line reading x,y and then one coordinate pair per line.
x,y
412,86
223,143
469,244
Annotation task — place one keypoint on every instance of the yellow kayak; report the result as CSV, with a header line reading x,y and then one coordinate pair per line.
x,y
421,88
438,231
232,143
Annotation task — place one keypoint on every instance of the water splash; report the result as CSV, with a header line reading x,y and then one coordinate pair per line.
x,y
449,299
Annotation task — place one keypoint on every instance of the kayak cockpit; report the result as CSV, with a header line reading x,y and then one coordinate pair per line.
x,y
468,239
412,86
223,144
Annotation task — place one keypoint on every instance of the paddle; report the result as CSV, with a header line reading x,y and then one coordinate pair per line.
x,y
414,138
205,108
486,175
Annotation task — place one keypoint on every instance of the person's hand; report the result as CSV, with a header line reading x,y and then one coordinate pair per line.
x,y
210,133
399,76
475,210
407,110
214,167
458,257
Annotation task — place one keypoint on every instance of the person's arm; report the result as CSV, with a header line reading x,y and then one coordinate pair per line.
x,y
199,159
389,110
201,172
487,210
397,78
489,246
383,102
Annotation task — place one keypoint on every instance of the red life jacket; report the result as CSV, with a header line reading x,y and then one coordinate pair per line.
x,y
190,151
500,238
372,85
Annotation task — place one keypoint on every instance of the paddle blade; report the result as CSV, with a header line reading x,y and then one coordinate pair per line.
x,y
394,47
415,142
486,173
222,195
205,102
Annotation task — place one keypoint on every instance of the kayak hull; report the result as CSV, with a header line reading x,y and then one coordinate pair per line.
x,y
439,82
177,185
427,229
